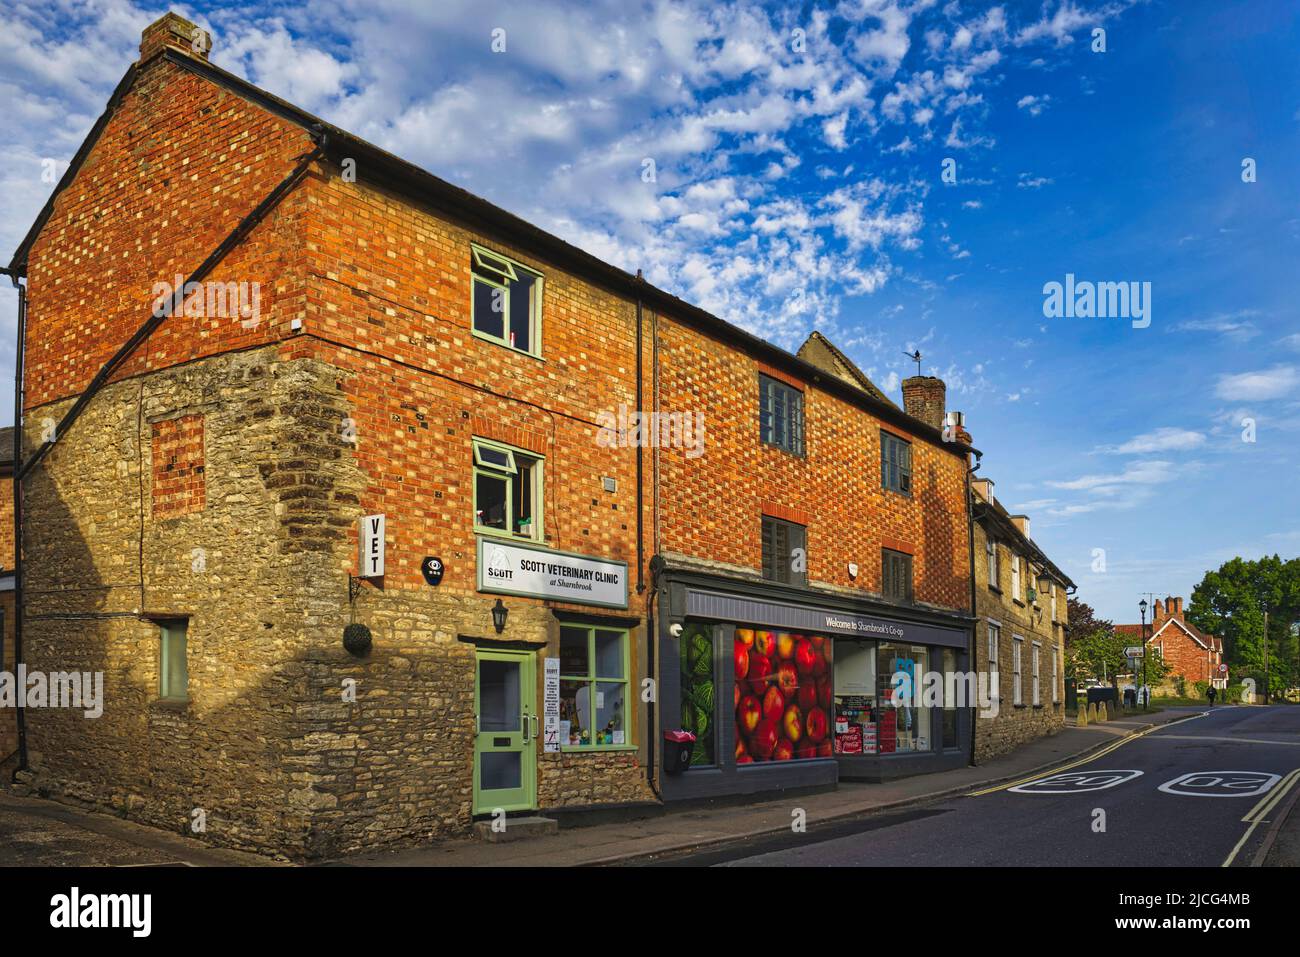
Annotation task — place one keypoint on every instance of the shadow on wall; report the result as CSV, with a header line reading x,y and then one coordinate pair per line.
x,y
944,540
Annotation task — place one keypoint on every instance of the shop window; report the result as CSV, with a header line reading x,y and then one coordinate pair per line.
x,y
1017,694
593,687
782,696
173,665
506,301
904,728
895,463
780,414
1033,674
785,552
897,575
857,709
507,491
699,691
949,700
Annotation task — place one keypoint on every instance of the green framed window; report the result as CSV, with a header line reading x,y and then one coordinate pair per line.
x,y
506,301
895,463
507,491
173,664
595,702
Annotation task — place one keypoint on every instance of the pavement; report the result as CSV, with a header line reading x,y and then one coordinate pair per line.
x,y
677,833
35,832
967,816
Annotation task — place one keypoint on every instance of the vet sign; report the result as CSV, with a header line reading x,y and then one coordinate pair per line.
x,y
512,568
371,559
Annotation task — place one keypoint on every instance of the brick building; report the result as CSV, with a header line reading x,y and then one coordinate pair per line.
x,y
393,404
1191,654
1020,598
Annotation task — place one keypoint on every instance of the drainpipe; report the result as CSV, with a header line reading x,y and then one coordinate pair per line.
x,y
651,637
975,628
20,713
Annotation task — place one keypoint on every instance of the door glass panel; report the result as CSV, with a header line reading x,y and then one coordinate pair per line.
x,y
498,695
500,770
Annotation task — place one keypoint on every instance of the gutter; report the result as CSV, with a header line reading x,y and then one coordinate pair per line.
x,y
975,627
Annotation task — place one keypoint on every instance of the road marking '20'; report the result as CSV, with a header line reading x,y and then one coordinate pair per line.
x,y
1076,782
1221,784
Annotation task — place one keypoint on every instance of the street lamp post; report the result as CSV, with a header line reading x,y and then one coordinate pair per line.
x,y
1142,605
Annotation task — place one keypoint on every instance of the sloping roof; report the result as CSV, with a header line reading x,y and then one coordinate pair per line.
x,y
825,354
993,513
392,171
1205,640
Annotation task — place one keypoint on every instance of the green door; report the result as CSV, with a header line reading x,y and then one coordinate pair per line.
x,y
505,752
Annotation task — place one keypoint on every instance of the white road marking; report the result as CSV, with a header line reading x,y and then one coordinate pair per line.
x,y
1076,782
1221,784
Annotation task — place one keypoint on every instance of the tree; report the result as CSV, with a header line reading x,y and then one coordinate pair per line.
x,y
1082,622
1231,603
1098,654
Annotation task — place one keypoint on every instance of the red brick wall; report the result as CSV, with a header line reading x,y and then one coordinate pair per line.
x,y
179,484
112,236
1184,654
712,504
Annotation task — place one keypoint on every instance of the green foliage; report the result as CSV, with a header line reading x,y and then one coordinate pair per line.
x,y
1230,602
698,689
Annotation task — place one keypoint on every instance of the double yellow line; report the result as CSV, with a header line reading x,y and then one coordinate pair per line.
x,y
1259,813
1086,759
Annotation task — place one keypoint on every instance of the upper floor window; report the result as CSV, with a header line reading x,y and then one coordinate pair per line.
x,y
895,463
780,414
507,491
991,557
507,301
785,556
1017,694
1052,592
1015,578
897,575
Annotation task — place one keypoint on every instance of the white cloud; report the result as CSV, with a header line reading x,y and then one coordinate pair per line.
x,y
1274,383
1164,439
1033,104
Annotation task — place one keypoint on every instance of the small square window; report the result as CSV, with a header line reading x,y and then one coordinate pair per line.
x,y
506,301
896,568
507,490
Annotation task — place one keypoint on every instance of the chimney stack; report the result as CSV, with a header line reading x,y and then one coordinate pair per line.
x,y
925,398
1157,611
171,30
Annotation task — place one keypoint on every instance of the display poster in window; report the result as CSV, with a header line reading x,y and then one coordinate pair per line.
x,y
783,694
551,705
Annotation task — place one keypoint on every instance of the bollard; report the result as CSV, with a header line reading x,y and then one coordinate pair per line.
x,y
1081,719
1101,711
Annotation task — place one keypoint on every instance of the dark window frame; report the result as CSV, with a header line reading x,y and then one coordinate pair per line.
x,y
780,535
782,424
896,565
895,464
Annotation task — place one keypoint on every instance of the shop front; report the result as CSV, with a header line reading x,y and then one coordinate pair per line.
x,y
790,690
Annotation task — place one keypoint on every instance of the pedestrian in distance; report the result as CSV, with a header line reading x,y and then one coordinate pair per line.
x,y
1210,694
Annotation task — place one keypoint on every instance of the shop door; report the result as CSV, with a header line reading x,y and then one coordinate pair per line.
x,y
505,756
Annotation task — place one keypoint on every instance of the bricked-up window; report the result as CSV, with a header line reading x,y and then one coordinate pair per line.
x,y
780,414
179,484
785,552
896,576
994,567
895,463
507,491
173,663
995,636
506,301
594,701
1017,691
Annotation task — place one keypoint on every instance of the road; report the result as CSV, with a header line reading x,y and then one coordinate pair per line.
x,y
1161,799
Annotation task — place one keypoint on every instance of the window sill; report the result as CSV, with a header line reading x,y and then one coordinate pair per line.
x,y
782,448
484,337
596,748
899,492
506,536
995,589
171,704
1018,602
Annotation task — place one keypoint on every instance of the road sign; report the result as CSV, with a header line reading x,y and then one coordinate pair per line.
x,y
1133,651
1223,668
1076,782
1221,784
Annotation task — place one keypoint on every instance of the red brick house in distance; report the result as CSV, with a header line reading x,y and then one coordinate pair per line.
x,y
1193,655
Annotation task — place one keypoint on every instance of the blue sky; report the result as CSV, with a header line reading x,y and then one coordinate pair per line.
x,y
797,157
